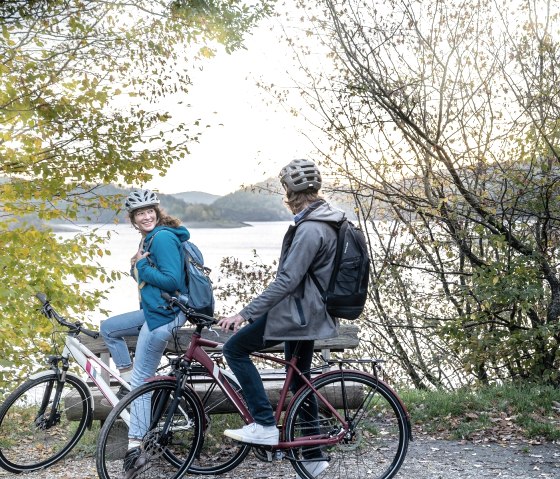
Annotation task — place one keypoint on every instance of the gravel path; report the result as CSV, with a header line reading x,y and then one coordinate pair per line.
x,y
426,459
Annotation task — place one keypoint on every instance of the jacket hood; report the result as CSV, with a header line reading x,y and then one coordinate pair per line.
x,y
322,211
181,232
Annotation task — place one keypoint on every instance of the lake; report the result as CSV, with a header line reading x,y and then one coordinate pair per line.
x,y
215,243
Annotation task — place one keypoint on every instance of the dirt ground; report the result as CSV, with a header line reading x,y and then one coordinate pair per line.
x,y
427,458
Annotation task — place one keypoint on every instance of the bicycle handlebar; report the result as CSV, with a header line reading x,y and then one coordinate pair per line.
x,y
192,316
50,312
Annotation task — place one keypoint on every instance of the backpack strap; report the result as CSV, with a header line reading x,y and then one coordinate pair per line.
x,y
147,248
340,228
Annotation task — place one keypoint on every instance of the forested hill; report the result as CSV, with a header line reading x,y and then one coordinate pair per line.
x,y
199,209
230,210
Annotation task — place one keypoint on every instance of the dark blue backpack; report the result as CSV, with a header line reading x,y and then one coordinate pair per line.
x,y
199,295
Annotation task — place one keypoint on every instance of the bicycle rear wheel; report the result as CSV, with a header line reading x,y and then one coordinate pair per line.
x,y
378,435
169,452
35,433
218,453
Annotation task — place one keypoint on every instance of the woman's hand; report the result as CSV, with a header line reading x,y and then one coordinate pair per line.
x,y
232,322
138,256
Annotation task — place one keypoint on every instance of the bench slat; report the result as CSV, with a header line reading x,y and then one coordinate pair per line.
x,y
347,339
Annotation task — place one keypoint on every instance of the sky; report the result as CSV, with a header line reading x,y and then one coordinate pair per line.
x,y
251,137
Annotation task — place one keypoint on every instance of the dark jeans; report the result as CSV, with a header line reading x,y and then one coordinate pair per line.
x,y
236,350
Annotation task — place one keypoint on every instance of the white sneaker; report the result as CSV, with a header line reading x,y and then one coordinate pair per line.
x,y
255,434
314,467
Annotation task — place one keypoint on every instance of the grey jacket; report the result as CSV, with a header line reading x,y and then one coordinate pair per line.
x,y
292,302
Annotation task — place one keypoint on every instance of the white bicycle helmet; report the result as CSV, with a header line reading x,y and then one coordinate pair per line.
x,y
301,175
140,199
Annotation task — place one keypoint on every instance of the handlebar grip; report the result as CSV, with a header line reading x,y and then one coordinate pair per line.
x,y
91,334
42,297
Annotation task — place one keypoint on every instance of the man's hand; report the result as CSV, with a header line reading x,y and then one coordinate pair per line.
x,y
232,322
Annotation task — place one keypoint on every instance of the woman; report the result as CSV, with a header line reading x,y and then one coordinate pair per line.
x,y
291,308
157,267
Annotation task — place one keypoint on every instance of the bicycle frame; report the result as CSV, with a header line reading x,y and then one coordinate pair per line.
x,y
196,352
88,362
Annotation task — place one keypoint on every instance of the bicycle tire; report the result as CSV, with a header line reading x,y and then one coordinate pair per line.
x,y
27,442
170,456
376,443
218,454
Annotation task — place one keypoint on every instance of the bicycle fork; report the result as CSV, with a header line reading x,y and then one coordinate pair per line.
x,y
54,416
165,409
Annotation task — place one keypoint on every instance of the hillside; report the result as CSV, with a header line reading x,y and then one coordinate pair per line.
x,y
261,202
195,209
197,197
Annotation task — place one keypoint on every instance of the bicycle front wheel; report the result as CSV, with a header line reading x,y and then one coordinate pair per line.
x,y
170,438
377,439
39,426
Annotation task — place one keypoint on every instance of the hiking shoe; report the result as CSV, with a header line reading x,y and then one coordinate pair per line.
x,y
314,467
122,392
255,434
135,462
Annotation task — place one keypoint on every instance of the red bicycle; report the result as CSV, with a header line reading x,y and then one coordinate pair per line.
x,y
349,420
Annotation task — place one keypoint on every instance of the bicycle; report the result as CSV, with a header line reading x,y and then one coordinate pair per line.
x,y
44,418
362,427
56,404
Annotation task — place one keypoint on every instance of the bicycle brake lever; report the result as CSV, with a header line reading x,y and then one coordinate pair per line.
x,y
212,330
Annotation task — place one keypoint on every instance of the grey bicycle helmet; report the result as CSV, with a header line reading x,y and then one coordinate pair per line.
x,y
140,199
301,175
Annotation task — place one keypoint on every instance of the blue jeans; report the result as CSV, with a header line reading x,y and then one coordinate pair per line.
x,y
149,350
237,349
114,329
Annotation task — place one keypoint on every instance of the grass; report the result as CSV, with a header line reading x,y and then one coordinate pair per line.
x,y
512,411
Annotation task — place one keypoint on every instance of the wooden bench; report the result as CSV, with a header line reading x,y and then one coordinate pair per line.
x,y
273,379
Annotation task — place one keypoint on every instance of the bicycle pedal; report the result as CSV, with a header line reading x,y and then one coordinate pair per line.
x,y
269,456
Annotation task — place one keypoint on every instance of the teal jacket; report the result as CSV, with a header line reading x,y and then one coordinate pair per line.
x,y
161,271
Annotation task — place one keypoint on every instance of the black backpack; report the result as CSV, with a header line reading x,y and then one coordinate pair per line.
x,y
347,291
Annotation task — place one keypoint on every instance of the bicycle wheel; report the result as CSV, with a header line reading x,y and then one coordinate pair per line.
x,y
34,432
379,429
218,453
169,452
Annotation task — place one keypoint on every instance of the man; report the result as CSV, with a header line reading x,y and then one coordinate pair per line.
x,y
291,308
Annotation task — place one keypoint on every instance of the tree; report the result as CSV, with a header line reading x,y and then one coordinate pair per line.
x,y
443,121
80,82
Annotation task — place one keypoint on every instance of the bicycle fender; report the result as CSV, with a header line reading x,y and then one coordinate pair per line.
x,y
304,387
41,374
173,379
154,379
